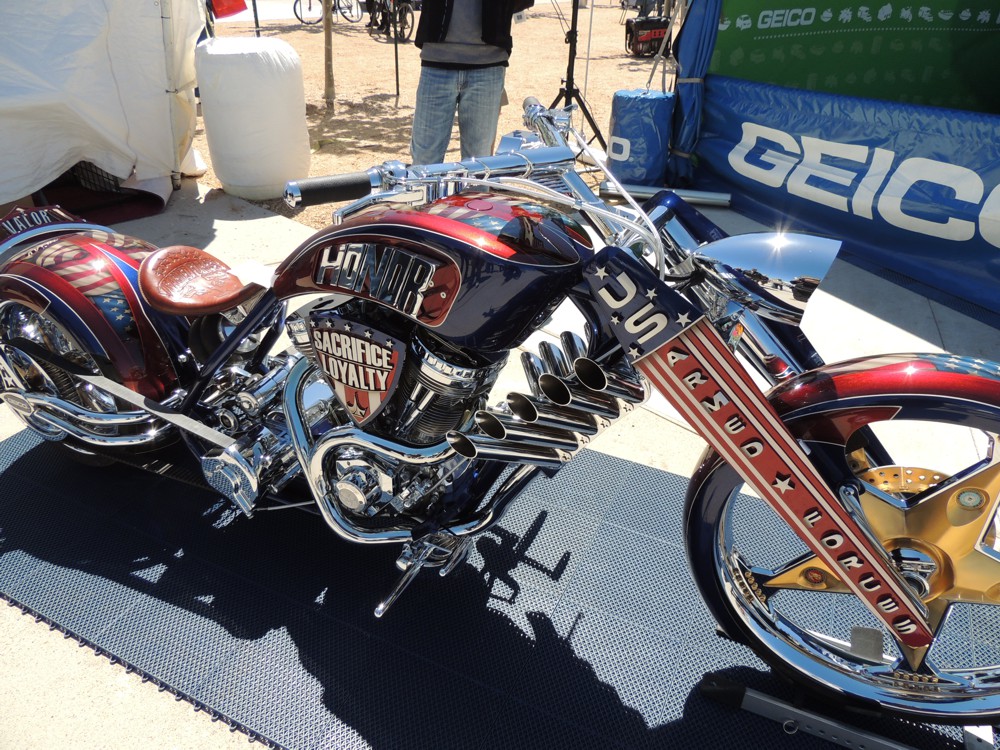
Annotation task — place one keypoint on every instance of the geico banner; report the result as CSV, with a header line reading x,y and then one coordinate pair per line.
x,y
918,187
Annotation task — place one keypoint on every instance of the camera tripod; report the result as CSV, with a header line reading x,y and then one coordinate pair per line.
x,y
569,93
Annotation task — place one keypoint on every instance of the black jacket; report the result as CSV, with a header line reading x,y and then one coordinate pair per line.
x,y
435,15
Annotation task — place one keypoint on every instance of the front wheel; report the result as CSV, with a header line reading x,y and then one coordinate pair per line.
x,y
920,447
351,10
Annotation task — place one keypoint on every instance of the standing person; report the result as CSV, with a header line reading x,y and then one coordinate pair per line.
x,y
464,49
372,21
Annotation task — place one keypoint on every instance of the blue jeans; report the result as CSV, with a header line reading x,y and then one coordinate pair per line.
x,y
474,93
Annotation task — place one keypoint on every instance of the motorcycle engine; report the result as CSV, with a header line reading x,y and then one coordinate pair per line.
x,y
393,377
404,389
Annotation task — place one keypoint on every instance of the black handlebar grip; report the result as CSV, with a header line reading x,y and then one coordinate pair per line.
x,y
313,191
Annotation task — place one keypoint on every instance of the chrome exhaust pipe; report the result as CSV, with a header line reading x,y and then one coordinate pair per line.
x,y
507,427
90,427
542,413
595,378
562,393
534,368
574,346
555,359
511,451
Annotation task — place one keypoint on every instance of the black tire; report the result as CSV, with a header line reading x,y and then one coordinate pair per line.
x,y
309,12
767,590
404,22
351,10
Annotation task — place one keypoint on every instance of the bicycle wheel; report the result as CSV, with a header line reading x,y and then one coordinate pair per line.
x,y
937,526
404,22
351,10
308,12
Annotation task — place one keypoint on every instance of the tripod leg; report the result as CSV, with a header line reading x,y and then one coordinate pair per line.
x,y
593,125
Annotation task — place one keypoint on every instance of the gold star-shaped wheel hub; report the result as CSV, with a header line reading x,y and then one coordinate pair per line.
x,y
940,532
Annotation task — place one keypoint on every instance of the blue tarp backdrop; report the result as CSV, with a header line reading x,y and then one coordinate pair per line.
x,y
918,187
694,52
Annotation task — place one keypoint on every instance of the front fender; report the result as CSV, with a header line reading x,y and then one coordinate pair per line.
x,y
854,386
87,281
854,381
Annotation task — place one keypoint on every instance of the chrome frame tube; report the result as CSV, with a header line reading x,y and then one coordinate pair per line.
x,y
44,403
82,424
90,438
311,454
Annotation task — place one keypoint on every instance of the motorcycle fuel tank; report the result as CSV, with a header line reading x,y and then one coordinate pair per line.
x,y
479,269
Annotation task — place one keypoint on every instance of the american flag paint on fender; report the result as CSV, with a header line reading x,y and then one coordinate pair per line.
x,y
685,359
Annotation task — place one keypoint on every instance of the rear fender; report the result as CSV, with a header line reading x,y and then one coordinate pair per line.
x,y
87,281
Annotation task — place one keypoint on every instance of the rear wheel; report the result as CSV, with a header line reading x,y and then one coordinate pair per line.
x,y
932,506
19,322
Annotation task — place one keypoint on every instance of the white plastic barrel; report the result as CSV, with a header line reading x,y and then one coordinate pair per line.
x,y
254,110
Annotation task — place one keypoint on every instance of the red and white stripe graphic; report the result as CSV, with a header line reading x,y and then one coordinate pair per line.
x,y
701,377
73,262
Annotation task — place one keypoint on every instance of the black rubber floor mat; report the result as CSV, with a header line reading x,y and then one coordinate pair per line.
x,y
573,625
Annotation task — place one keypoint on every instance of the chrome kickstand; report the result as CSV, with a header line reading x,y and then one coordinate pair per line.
x,y
417,561
446,554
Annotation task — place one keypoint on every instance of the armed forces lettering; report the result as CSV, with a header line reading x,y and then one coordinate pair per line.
x,y
687,361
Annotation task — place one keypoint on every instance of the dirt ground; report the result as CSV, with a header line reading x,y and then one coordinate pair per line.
x,y
370,120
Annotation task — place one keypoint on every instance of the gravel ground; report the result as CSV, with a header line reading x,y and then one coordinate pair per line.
x,y
369,121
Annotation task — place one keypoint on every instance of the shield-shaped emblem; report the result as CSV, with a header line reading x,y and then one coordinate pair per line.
x,y
361,364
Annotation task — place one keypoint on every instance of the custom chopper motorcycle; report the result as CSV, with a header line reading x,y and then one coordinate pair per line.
x,y
804,517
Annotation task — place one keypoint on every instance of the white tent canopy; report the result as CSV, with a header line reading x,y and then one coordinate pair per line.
x,y
109,82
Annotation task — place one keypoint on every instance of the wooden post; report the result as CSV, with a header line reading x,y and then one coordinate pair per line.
x,y
329,90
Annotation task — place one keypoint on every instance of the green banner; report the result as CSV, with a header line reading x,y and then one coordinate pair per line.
x,y
938,52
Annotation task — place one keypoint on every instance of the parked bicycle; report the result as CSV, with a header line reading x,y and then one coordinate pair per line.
x,y
391,16
310,12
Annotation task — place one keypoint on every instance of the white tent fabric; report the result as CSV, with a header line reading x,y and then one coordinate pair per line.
x,y
110,82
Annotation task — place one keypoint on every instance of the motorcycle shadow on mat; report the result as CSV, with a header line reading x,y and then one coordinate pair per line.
x,y
575,624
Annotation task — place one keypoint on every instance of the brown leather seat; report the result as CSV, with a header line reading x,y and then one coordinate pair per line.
x,y
183,280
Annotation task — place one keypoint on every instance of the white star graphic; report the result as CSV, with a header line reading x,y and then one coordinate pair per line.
x,y
651,294
782,484
602,273
634,352
368,334
616,319
684,319
347,326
